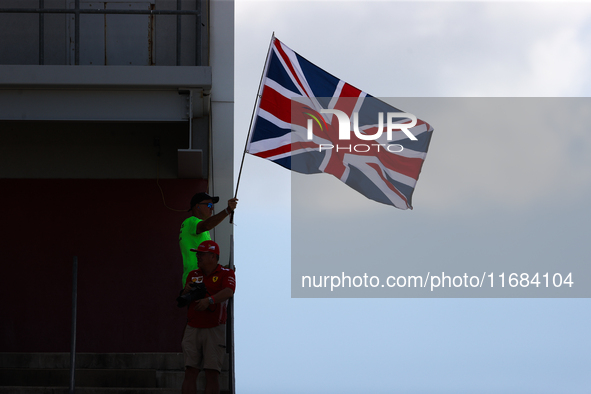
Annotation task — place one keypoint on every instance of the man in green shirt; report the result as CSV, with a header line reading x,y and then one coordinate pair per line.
x,y
195,229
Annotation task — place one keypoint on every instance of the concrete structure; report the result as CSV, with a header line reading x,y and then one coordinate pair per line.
x,y
106,121
147,373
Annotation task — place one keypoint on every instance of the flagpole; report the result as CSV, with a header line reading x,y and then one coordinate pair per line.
x,y
256,102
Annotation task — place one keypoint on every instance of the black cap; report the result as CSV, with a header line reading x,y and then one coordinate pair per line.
x,y
197,198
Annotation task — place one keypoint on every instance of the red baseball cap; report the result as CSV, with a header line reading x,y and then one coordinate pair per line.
x,y
207,246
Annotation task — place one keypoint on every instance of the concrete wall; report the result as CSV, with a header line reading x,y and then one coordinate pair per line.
x,y
222,107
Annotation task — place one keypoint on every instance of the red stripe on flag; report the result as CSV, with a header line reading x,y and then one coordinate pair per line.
x,y
335,164
347,99
409,166
276,104
274,152
287,148
288,64
350,91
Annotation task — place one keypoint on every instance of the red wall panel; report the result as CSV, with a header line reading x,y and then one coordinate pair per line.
x,y
129,264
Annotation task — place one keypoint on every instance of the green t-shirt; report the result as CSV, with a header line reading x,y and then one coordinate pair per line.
x,y
189,239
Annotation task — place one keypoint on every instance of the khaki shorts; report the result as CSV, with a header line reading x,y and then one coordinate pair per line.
x,y
205,348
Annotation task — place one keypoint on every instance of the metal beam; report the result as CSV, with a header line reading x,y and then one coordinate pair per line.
x,y
109,77
93,105
91,11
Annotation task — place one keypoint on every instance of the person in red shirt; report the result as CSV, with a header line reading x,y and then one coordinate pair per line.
x,y
204,341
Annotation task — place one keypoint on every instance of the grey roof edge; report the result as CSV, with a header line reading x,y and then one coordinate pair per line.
x,y
105,77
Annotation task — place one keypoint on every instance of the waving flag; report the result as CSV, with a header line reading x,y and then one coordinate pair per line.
x,y
309,121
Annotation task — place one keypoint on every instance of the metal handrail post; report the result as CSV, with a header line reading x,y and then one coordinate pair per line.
x,y
73,338
77,33
198,34
41,33
178,34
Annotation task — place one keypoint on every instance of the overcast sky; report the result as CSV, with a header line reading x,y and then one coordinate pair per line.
x,y
483,197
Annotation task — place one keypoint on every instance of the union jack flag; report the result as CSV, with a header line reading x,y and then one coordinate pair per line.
x,y
290,129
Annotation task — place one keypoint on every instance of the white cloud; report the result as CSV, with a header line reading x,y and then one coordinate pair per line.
x,y
559,64
516,153
444,49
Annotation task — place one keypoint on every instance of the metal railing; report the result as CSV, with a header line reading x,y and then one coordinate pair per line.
x,y
74,318
77,11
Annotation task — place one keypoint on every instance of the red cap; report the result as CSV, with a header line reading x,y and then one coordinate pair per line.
x,y
208,246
